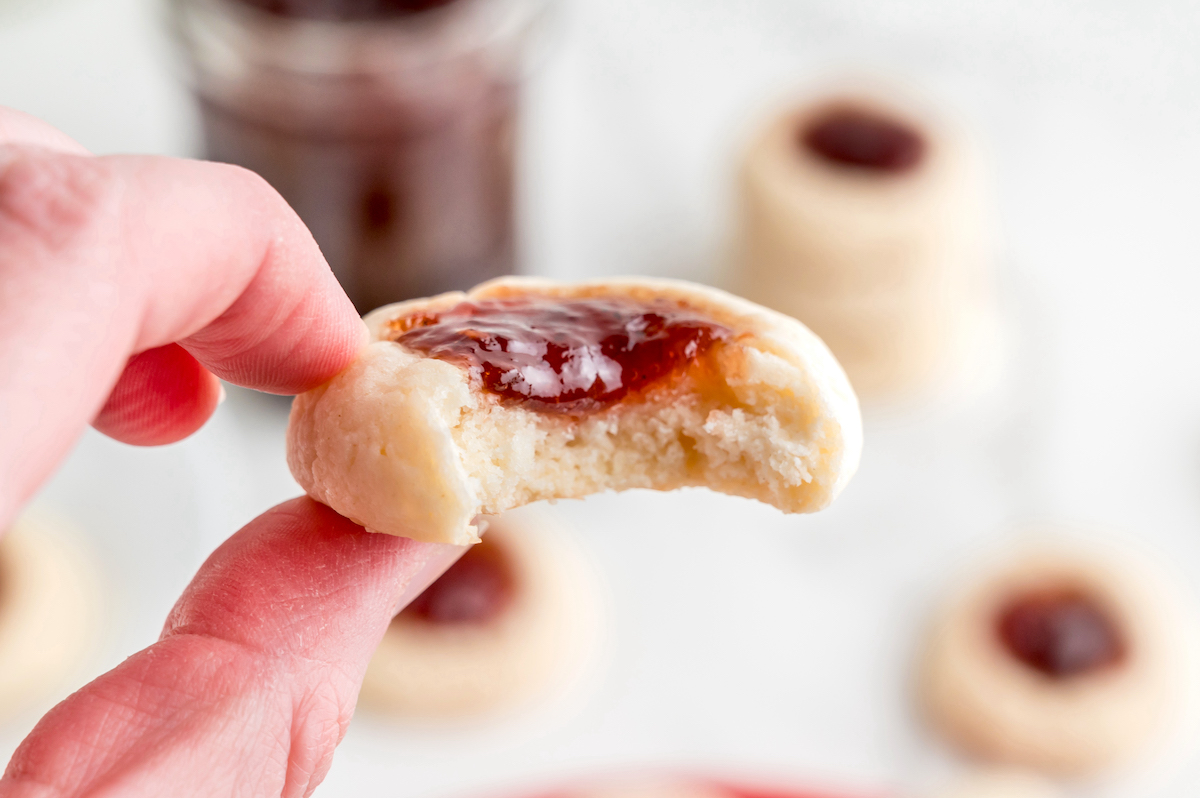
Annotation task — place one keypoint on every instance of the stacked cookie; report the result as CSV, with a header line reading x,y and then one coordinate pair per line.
x,y
863,218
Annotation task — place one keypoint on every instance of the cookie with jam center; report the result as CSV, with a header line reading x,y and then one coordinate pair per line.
x,y
527,389
514,619
1057,659
863,214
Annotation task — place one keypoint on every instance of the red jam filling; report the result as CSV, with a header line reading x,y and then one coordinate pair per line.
x,y
565,355
858,138
1060,633
476,589
345,10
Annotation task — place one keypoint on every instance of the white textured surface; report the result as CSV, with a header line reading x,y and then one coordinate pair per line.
x,y
742,638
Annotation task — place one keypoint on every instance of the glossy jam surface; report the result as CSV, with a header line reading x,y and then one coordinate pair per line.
x,y
565,355
1060,633
476,589
345,10
865,140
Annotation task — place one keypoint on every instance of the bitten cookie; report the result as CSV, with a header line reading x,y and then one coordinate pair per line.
x,y
527,389
515,616
1057,659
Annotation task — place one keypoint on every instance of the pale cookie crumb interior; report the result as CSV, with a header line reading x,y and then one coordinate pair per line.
x,y
737,439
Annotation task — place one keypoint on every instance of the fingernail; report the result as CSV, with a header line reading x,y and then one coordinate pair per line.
x,y
441,557
221,395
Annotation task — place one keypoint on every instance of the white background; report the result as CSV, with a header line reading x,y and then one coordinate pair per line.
x,y
739,639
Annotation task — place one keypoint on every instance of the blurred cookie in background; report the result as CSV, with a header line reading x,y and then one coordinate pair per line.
x,y
862,214
515,617
1058,658
747,790
50,613
649,787
681,786
999,784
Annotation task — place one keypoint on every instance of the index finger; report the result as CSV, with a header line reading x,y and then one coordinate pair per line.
x,y
102,258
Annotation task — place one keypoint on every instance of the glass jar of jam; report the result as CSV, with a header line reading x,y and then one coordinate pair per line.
x,y
387,124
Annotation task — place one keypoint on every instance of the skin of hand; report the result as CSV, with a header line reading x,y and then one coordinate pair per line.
x,y
128,286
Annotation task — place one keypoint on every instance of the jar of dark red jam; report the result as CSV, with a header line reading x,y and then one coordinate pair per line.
x,y
387,124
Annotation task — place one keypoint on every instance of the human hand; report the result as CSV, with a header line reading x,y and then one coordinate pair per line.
x,y
128,285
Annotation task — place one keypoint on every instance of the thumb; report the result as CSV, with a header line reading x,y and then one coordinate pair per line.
x,y
255,677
